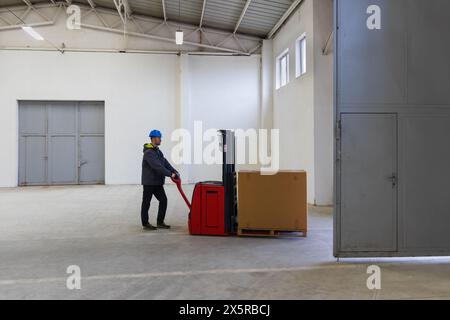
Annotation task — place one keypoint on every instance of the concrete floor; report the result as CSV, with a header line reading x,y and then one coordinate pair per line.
x,y
43,230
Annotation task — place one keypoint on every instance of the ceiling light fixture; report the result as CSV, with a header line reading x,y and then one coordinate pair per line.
x,y
33,33
29,30
179,35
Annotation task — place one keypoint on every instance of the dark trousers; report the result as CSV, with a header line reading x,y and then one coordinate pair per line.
x,y
160,194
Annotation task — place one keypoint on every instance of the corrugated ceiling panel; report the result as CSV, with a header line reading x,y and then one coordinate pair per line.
x,y
262,15
260,18
99,3
151,8
223,14
4,3
191,10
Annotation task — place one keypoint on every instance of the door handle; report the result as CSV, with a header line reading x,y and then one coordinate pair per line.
x,y
82,163
394,180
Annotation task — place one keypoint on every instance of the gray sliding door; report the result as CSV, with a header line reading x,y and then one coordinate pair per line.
x,y
61,143
369,182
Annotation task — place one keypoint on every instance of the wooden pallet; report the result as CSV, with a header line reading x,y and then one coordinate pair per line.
x,y
242,232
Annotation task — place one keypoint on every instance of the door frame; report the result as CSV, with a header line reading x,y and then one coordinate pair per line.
x,y
49,144
337,227
80,135
47,135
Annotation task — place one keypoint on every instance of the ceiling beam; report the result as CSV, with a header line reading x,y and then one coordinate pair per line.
x,y
17,26
203,13
164,9
31,7
283,19
244,11
127,7
91,3
239,47
161,38
123,4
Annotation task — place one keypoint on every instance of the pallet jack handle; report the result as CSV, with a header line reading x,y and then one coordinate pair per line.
x,y
177,181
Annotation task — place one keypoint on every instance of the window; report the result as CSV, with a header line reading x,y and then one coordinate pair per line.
x,y
300,56
283,69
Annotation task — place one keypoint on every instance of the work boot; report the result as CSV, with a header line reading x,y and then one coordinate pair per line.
x,y
163,226
149,227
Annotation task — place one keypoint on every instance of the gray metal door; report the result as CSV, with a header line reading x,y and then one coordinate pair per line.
x,y
91,143
368,183
61,143
32,144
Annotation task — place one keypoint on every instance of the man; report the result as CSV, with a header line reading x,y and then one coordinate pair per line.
x,y
155,169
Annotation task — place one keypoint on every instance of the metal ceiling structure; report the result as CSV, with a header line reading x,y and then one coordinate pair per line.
x,y
237,19
250,17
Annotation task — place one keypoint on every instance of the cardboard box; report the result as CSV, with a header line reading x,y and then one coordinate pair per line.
x,y
275,202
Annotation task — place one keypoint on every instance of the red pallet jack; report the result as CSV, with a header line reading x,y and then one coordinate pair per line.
x,y
213,210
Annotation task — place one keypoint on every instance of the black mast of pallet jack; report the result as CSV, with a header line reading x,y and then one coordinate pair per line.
x,y
229,179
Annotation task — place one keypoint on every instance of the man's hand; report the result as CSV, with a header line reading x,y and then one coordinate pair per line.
x,y
174,176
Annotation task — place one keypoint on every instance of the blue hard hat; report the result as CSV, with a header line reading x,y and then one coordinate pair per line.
x,y
155,134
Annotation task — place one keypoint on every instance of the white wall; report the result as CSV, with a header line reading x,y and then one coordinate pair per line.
x,y
168,92
224,94
294,103
323,102
303,110
140,91
267,83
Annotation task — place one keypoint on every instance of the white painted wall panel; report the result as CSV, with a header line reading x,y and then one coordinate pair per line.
x,y
140,91
294,103
303,110
224,94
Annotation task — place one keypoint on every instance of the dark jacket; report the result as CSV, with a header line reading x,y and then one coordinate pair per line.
x,y
155,168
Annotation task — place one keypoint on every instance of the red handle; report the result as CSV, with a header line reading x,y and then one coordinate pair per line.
x,y
177,181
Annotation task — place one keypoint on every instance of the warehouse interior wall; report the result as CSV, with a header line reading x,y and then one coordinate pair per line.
x,y
140,91
294,103
323,101
224,94
303,109
170,91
